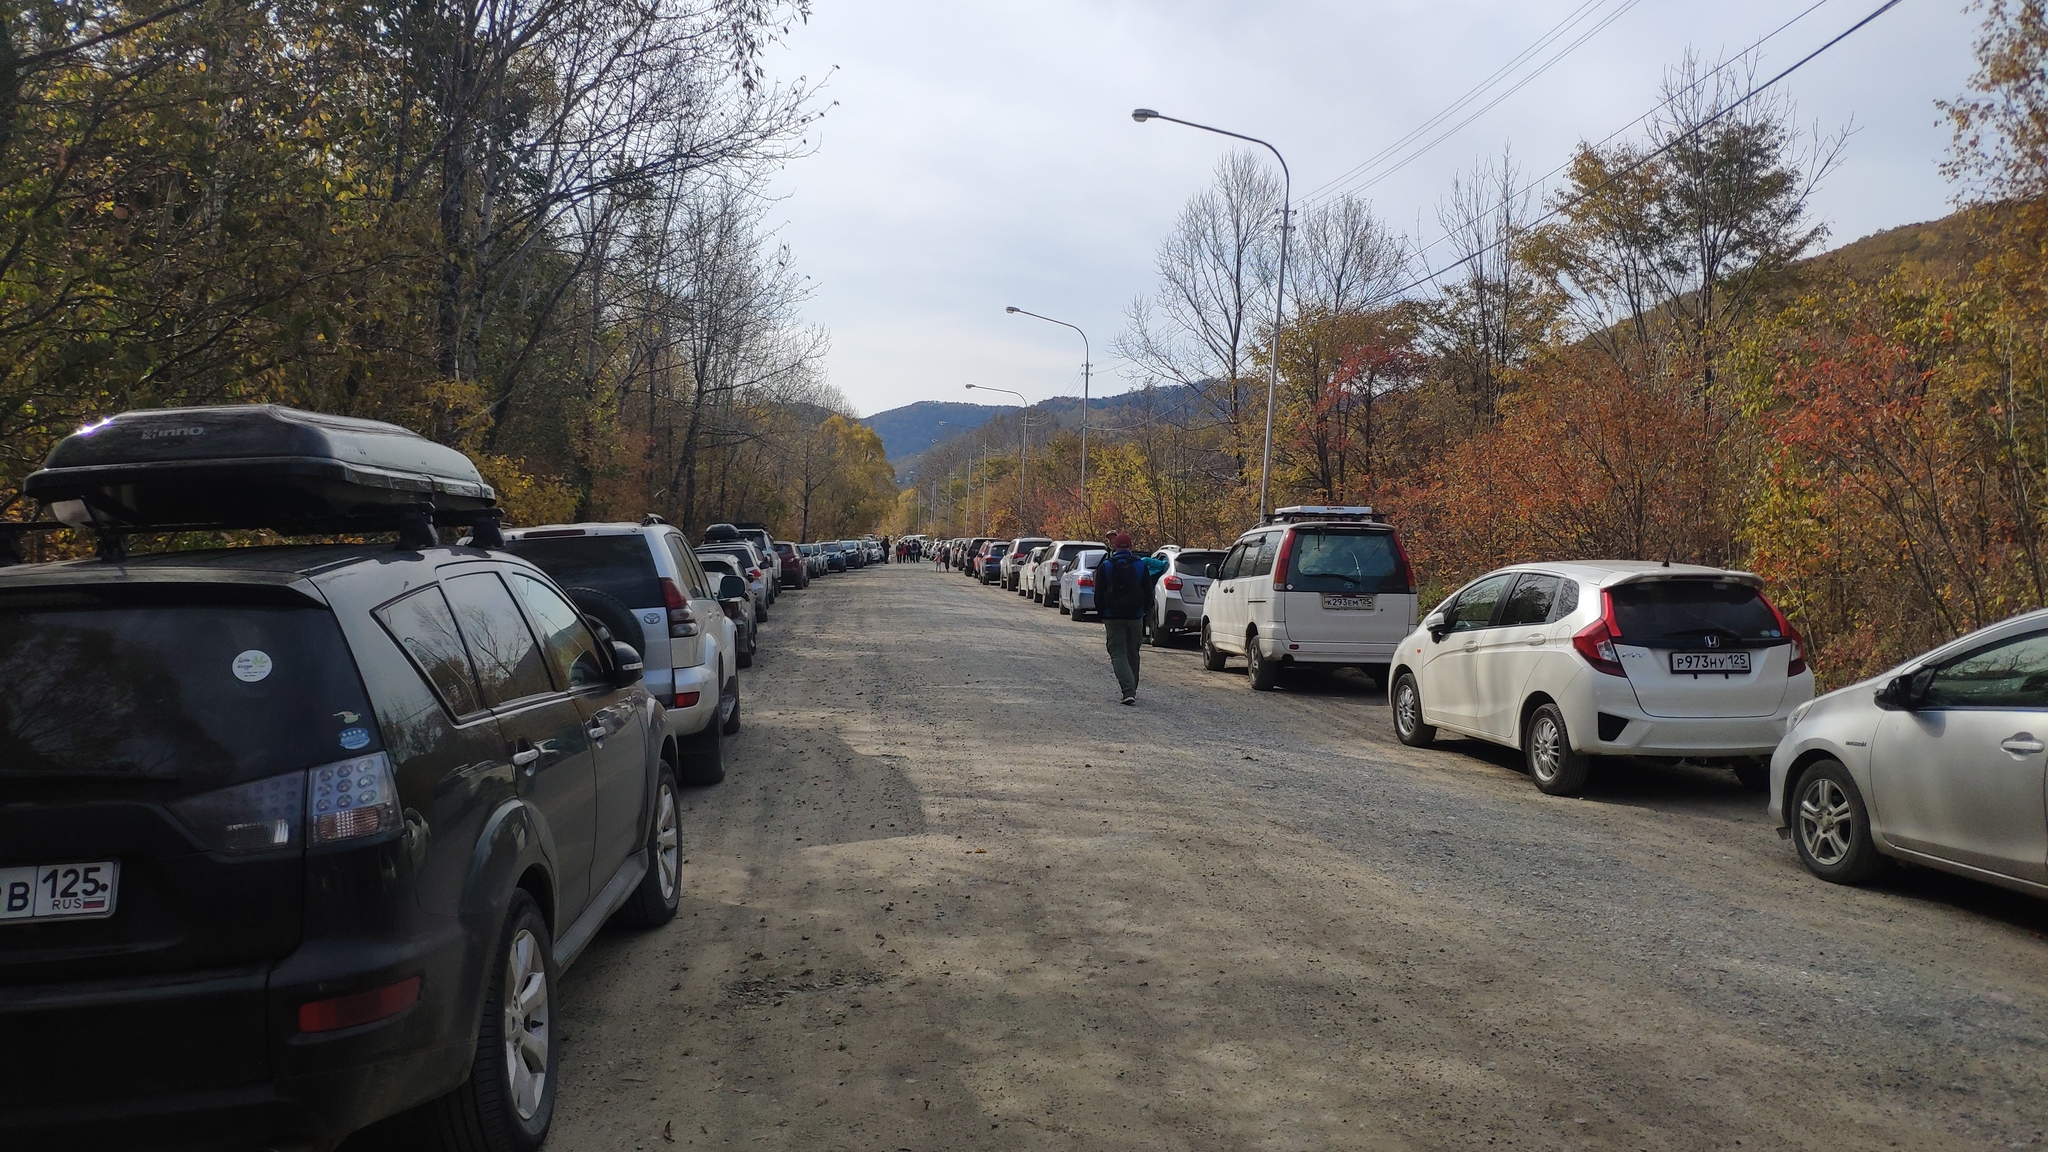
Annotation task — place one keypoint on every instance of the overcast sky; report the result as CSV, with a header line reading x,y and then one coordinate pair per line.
x,y
981,152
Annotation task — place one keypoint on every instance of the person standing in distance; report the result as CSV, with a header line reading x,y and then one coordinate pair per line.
x,y
1123,593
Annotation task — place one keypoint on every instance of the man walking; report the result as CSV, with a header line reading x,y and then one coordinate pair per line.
x,y
1123,594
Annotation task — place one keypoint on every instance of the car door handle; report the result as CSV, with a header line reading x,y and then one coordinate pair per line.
x,y
1537,638
526,758
597,732
1471,645
2022,744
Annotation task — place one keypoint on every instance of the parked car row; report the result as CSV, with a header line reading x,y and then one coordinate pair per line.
x,y
1942,761
316,828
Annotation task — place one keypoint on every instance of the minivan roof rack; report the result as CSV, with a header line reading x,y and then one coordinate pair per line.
x,y
1297,512
260,466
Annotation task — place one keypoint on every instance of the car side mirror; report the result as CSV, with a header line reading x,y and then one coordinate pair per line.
x,y
1902,694
731,588
1435,624
626,666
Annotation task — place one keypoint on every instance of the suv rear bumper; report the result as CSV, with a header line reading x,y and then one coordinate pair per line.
x,y
1330,651
149,1046
694,718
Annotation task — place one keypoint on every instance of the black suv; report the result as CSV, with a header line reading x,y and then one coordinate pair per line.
x,y
294,839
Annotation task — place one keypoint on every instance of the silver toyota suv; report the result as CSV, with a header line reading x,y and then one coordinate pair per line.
x,y
644,584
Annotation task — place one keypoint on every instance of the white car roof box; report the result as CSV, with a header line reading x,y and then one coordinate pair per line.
x,y
260,466
1300,512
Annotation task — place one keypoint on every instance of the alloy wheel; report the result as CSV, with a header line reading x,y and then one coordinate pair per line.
x,y
526,1024
667,841
1826,822
1407,709
1546,756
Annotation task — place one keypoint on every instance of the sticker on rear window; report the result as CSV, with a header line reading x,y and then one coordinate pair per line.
x,y
354,738
252,666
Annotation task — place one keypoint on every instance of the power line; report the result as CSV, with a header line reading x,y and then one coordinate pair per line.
x,y
1664,103
1373,178
1659,151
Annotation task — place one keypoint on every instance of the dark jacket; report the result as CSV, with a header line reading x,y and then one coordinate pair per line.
x,y
1138,600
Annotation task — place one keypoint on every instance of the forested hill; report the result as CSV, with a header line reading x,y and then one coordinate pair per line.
x,y
911,429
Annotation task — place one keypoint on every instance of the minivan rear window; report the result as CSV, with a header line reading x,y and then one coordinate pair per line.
x,y
1650,611
1331,560
208,694
621,567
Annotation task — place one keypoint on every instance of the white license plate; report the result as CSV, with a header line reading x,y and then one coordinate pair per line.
x,y
1347,603
59,891
1698,662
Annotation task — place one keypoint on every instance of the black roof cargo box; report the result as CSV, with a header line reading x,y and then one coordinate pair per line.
x,y
254,466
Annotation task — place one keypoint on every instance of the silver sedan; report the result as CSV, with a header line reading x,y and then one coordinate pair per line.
x,y
1077,584
1939,762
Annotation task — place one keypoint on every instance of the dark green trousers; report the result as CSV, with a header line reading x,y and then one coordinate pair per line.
x,y
1124,638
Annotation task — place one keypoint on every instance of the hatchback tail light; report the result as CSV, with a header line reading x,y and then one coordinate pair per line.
x,y
1595,641
681,621
1786,630
1172,582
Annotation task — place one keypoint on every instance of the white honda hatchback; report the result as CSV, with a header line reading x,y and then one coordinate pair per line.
x,y
1606,658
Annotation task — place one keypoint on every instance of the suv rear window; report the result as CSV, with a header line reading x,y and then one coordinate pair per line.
x,y
1335,560
209,694
1196,563
1650,611
622,567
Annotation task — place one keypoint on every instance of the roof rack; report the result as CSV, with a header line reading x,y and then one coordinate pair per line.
x,y
1299,512
258,466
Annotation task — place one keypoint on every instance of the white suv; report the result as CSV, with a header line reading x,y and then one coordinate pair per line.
x,y
1313,585
1606,657
643,583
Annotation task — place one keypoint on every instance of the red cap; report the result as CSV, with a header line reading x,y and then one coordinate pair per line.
x,y
1120,540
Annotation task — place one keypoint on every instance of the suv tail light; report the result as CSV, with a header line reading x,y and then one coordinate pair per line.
x,y
1172,582
1280,561
341,801
1407,570
1786,629
351,799
681,621
260,816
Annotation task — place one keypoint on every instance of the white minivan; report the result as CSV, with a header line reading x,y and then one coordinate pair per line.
x,y
1326,586
1606,658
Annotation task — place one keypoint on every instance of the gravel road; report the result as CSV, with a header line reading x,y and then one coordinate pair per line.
x,y
953,895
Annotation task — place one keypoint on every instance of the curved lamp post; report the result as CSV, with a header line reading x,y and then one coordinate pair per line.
x,y
1023,446
1279,294
1087,356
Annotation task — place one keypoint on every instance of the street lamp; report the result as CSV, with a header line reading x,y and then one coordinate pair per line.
x,y
1086,368
1023,448
1279,293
